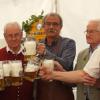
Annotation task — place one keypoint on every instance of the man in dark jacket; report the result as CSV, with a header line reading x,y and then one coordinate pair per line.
x,y
61,50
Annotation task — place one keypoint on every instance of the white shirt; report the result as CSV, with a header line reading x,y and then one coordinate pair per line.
x,y
93,65
21,50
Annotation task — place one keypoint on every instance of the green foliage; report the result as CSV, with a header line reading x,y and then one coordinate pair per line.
x,y
27,25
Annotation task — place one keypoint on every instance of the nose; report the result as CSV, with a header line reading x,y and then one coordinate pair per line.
x,y
51,26
13,37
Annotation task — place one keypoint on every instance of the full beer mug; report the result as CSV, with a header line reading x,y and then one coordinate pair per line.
x,y
2,85
29,48
31,71
7,73
49,64
16,72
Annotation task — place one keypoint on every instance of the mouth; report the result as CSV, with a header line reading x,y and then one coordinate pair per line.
x,y
52,31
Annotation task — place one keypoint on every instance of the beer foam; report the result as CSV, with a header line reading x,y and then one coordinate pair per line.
x,y
31,68
48,64
16,68
7,69
30,47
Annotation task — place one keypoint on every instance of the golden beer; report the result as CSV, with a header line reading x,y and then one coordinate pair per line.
x,y
30,76
7,73
7,81
16,81
28,57
16,73
29,48
30,72
2,85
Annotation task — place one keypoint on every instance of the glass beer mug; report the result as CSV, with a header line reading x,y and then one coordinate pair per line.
x,y
7,73
49,64
29,48
2,85
31,71
16,72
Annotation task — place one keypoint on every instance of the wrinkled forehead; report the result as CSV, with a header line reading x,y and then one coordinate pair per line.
x,y
52,18
93,25
10,28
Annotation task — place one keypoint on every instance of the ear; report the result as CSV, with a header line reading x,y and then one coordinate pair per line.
x,y
60,27
21,34
4,35
43,25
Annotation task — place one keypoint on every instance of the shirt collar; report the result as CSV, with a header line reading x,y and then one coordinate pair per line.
x,y
20,51
91,50
98,46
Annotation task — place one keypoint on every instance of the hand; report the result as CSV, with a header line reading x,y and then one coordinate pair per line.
x,y
41,48
45,73
58,66
88,80
97,84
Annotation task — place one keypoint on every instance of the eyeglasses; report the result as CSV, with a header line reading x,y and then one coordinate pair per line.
x,y
53,24
91,31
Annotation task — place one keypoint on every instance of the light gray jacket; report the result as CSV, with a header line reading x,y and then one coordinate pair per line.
x,y
94,93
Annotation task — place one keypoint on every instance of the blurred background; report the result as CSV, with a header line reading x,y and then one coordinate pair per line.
x,y
75,14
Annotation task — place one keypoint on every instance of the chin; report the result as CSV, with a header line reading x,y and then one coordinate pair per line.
x,y
90,42
14,46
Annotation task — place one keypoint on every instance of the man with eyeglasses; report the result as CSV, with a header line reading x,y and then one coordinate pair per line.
x,y
13,51
61,50
93,39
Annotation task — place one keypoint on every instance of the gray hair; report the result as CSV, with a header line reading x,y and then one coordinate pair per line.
x,y
11,24
97,21
53,14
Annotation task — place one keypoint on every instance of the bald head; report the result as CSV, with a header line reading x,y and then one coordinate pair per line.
x,y
12,25
95,23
